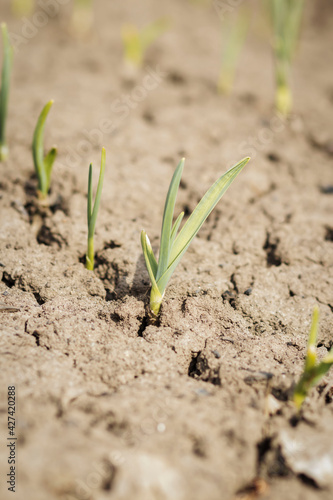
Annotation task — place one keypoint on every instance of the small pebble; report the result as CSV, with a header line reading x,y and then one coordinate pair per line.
x,y
258,377
202,392
161,427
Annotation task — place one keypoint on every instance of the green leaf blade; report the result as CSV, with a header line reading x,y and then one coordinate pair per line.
x,y
150,260
313,372
311,355
38,150
93,218
175,228
169,208
320,371
204,208
197,218
90,196
92,211
48,164
149,256
329,358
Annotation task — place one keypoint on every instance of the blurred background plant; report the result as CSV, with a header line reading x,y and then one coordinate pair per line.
x,y
22,7
286,18
313,371
234,31
136,42
43,163
92,210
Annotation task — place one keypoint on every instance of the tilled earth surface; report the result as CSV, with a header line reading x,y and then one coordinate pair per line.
x,y
109,404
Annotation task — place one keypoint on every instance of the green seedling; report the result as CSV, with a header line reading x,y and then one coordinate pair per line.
x,y
43,164
4,92
233,37
82,17
286,16
313,370
173,243
22,7
93,210
137,42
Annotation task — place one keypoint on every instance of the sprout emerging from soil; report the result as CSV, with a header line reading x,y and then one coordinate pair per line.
x,y
92,211
313,371
43,164
137,42
4,92
236,34
173,243
22,7
286,18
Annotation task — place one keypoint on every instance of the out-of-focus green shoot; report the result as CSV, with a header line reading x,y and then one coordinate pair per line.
x,y
4,92
43,164
82,17
173,243
234,32
286,16
22,7
313,370
92,211
137,42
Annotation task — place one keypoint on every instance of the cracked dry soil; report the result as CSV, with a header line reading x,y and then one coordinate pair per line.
x,y
110,406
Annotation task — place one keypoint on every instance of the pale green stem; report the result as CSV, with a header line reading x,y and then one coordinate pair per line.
x,y
90,253
283,99
155,301
92,211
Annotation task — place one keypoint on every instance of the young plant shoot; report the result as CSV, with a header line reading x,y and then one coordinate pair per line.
x,y
137,42
4,92
43,164
174,243
92,211
286,18
313,370
22,7
234,35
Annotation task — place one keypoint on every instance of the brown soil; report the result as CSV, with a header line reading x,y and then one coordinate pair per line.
x,y
110,406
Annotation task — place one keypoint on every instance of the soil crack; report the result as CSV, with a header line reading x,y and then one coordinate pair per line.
x,y
272,256
143,326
